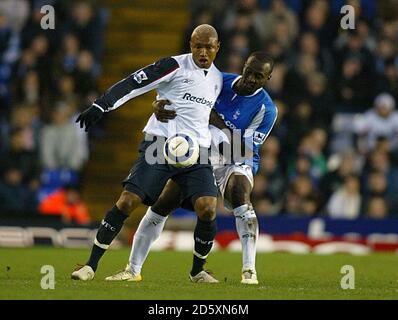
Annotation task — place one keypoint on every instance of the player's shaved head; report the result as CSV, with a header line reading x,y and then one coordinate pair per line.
x,y
204,45
205,30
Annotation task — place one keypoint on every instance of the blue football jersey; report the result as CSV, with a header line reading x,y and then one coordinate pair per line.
x,y
255,113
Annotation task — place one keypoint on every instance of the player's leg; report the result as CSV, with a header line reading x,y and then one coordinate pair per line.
x,y
152,224
144,184
204,233
237,194
108,230
198,185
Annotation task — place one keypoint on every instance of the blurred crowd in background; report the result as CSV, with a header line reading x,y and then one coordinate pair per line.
x,y
332,152
46,78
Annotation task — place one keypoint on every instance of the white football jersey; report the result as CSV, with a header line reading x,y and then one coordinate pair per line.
x,y
192,91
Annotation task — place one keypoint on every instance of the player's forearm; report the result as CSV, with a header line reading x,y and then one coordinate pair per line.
x,y
217,121
119,94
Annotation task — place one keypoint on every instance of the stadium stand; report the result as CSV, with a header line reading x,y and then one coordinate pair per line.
x,y
333,143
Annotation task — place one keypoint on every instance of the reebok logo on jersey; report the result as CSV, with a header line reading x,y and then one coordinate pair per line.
x,y
140,76
188,81
201,100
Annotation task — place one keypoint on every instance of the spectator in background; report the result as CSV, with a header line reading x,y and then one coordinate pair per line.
x,y
320,99
14,194
17,12
84,75
280,23
234,63
29,88
377,208
386,51
66,90
297,76
345,202
302,198
309,44
341,167
22,159
381,121
379,161
311,145
388,80
316,18
67,203
274,177
25,118
299,123
60,145
86,24
5,34
70,53
349,88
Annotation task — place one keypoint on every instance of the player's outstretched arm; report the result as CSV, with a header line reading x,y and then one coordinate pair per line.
x,y
138,83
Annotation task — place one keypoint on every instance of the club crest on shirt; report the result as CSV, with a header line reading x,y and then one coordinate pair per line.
x,y
236,114
140,76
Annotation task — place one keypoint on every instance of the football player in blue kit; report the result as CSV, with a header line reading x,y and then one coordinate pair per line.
x,y
244,105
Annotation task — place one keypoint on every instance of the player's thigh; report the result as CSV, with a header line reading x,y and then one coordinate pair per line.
x,y
238,190
169,199
147,180
198,181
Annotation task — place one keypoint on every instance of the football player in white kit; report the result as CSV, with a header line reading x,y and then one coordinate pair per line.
x,y
193,83
243,104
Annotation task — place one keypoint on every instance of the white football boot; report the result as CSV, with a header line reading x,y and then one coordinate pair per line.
x,y
84,273
204,277
125,275
249,277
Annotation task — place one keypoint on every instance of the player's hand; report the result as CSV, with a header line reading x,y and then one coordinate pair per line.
x,y
89,117
161,113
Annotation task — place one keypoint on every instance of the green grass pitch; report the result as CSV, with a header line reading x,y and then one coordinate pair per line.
x,y
281,276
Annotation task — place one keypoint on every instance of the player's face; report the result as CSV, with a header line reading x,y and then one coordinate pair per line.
x,y
204,50
255,75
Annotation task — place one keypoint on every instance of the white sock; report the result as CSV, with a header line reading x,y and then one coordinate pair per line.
x,y
247,228
148,231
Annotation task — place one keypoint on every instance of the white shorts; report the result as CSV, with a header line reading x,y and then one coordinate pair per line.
x,y
223,173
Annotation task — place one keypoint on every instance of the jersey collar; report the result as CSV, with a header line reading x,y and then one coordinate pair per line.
x,y
236,79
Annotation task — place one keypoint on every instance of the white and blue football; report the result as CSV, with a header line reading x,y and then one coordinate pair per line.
x,y
181,150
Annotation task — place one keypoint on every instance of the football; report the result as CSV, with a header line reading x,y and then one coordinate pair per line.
x,y
181,150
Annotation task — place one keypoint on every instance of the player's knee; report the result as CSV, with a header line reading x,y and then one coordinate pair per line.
x,y
205,208
128,201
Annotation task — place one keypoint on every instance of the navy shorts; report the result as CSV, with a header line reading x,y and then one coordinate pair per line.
x,y
148,180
